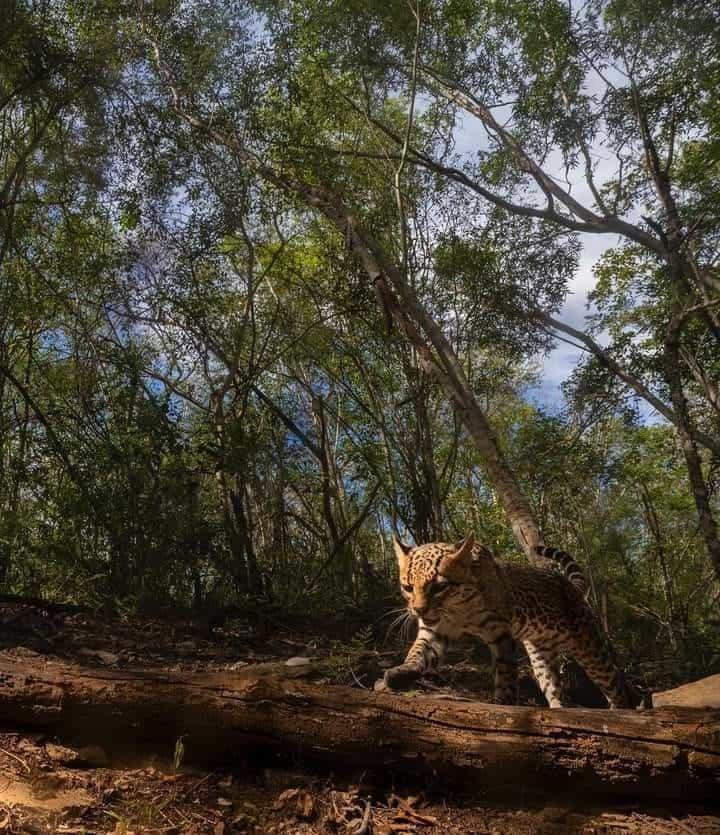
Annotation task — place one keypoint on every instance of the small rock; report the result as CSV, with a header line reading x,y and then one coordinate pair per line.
x,y
297,661
60,754
100,654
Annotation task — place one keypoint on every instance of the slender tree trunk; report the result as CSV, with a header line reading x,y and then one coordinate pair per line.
x,y
454,384
243,525
681,272
673,378
341,553
653,523
230,503
18,476
430,500
4,486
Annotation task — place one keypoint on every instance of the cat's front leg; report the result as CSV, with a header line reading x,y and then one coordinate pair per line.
x,y
425,655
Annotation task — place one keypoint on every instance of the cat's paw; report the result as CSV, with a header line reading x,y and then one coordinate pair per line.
x,y
402,677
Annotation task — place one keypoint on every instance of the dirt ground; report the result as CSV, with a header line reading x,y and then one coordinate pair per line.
x,y
48,787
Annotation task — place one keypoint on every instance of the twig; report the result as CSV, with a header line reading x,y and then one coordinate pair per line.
x,y
363,826
197,785
16,758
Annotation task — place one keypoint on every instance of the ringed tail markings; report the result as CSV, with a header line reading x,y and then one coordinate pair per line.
x,y
570,567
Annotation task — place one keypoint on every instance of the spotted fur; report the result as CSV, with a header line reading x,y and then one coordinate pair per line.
x,y
461,589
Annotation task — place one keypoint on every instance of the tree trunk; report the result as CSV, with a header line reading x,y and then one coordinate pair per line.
x,y
427,504
231,492
439,361
672,753
673,378
341,556
674,622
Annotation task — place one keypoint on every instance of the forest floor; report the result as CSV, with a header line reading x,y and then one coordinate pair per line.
x,y
48,787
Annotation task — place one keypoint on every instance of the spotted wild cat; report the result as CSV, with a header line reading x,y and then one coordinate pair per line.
x,y
462,589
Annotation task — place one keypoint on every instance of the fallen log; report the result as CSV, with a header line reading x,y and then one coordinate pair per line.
x,y
667,753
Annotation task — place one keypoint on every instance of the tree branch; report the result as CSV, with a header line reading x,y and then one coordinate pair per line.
x,y
609,362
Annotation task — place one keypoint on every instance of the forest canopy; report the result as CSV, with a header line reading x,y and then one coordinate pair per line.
x,y
278,279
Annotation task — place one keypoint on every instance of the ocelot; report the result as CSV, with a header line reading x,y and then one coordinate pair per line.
x,y
461,589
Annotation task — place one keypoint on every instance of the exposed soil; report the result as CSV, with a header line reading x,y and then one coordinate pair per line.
x,y
46,787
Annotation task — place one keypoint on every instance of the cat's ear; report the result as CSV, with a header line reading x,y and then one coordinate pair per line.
x,y
457,564
401,551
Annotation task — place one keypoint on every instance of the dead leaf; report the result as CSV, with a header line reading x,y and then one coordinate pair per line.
x,y
285,797
224,801
305,806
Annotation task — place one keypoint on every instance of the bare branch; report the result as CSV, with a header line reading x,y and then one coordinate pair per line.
x,y
609,362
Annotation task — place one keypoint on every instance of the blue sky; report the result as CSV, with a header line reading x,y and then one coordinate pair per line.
x,y
557,365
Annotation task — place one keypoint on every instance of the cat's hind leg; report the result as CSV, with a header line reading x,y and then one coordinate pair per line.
x,y
595,656
545,668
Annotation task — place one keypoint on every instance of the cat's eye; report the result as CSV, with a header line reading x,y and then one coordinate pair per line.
x,y
439,585
407,589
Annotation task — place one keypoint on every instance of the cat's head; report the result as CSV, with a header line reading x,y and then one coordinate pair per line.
x,y
431,574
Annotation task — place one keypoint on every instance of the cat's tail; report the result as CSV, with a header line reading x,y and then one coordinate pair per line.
x,y
570,568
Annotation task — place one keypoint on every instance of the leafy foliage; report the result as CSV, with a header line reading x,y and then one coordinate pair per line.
x,y
200,400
